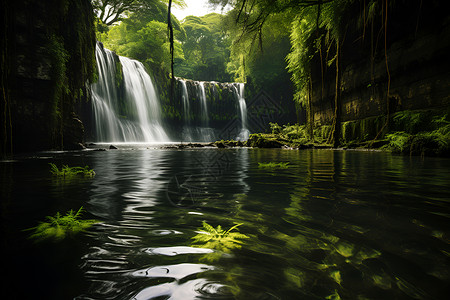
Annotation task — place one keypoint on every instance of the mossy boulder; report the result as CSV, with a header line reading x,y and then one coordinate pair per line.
x,y
229,143
261,140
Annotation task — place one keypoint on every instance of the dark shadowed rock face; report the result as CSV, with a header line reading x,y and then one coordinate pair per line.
x,y
51,57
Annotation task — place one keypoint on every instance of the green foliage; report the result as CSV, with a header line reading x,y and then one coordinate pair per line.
x,y
273,165
399,141
205,48
67,172
275,128
409,121
60,57
313,33
302,52
295,132
143,36
70,53
112,11
260,59
430,143
219,239
57,227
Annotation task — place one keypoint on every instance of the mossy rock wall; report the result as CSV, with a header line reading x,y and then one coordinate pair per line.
x,y
50,58
221,99
417,57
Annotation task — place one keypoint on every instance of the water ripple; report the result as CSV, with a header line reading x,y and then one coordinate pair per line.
x,y
177,250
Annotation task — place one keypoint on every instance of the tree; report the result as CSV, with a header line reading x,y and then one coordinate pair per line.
x,y
206,48
112,11
143,36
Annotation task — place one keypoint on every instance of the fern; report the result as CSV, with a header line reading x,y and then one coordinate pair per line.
x,y
399,141
57,227
219,239
67,171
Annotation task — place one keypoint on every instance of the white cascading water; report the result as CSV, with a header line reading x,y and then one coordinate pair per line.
x,y
187,134
206,134
244,133
202,96
140,98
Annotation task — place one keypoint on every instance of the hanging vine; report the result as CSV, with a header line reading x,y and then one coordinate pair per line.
x,y
6,135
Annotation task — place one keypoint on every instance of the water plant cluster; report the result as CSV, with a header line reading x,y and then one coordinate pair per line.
x,y
59,226
273,165
67,171
218,238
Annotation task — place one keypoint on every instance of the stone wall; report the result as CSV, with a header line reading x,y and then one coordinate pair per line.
x,y
418,58
50,54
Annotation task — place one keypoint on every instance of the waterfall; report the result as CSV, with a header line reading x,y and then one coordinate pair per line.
x,y
202,96
186,134
130,116
206,134
244,133
211,110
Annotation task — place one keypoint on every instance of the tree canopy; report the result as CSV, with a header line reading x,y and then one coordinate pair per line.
x,y
206,49
143,36
112,11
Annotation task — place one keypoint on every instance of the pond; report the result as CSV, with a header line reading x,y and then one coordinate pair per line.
x,y
332,225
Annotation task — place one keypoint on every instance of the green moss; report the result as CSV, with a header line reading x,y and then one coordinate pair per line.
x,y
412,133
321,134
262,140
59,58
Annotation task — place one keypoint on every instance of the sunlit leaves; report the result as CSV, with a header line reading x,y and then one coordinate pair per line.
x,y
143,36
111,11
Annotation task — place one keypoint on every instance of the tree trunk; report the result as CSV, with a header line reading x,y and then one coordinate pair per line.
x,y
170,26
310,115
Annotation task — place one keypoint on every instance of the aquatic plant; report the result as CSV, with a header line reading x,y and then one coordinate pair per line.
x,y
57,227
67,171
219,239
274,165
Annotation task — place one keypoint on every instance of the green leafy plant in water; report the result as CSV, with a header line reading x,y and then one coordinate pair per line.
x,y
67,171
274,165
57,227
219,239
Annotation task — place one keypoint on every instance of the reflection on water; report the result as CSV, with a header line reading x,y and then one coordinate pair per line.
x,y
333,225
